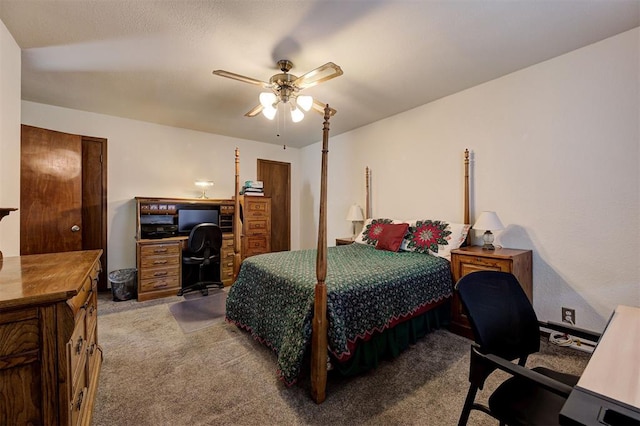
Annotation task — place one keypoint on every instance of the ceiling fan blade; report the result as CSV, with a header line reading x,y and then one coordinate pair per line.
x,y
255,111
319,75
319,107
234,76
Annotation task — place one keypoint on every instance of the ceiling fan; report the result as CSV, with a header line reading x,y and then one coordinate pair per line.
x,y
285,88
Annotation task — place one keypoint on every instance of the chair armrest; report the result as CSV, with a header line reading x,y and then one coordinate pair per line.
x,y
545,382
572,330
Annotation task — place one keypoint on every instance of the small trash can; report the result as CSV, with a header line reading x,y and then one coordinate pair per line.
x,y
123,284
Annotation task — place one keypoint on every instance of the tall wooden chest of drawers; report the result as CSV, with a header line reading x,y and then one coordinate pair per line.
x,y
49,355
159,267
256,225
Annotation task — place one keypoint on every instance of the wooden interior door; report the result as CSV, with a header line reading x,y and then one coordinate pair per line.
x,y
276,176
62,193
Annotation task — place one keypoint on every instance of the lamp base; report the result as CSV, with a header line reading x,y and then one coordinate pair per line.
x,y
487,237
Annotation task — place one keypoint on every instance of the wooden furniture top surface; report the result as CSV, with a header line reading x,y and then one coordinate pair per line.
x,y
501,253
43,278
162,200
613,370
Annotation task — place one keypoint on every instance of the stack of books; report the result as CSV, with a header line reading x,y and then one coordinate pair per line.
x,y
253,187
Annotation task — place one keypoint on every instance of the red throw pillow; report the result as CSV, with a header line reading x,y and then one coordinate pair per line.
x,y
391,236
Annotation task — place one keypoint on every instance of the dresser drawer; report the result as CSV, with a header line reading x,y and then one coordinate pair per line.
x,y
77,347
79,399
172,249
256,226
157,273
158,262
256,243
160,284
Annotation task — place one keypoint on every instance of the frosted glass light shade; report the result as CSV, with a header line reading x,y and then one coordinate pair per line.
x,y
269,112
305,102
296,114
267,99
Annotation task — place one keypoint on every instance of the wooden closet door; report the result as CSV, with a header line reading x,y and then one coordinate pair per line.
x,y
276,176
50,191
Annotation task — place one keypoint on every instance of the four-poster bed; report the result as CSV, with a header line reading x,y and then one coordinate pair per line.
x,y
359,297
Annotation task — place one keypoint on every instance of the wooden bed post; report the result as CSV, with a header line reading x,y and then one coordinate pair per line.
x,y
367,207
319,349
237,225
466,193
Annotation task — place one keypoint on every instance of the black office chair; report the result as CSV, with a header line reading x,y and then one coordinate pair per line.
x,y
505,328
203,247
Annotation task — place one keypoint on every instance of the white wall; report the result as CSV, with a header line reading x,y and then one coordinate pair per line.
x,y
10,67
150,160
555,152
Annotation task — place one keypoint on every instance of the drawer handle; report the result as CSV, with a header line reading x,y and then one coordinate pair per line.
x,y
161,250
160,285
92,348
230,264
80,398
92,310
160,274
79,345
159,262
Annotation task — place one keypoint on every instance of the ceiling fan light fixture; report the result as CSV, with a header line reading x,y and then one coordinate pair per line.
x,y
296,114
305,102
267,99
269,112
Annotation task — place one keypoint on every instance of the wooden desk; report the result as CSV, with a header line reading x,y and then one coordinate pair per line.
x,y
608,391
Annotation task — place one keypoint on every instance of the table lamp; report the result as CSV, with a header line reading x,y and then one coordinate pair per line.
x,y
204,184
487,222
355,215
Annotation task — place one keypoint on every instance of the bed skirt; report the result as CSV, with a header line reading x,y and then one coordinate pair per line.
x,y
390,343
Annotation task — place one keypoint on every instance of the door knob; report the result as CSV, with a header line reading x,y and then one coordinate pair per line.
x,y
75,228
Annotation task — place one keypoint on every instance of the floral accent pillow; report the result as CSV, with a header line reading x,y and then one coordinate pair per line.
x,y
371,231
436,237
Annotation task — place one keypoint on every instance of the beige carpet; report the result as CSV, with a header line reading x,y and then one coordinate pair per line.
x,y
155,374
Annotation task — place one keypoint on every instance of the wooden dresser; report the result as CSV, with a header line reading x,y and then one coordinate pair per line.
x,y
470,259
49,354
256,225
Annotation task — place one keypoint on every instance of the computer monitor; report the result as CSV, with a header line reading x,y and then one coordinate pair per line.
x,y
188,218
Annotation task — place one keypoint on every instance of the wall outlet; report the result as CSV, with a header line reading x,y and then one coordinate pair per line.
x,y
569,315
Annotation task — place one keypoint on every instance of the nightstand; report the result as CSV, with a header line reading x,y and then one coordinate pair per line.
x,y
470,259
344,241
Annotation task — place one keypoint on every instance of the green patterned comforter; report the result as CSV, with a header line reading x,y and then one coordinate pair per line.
x,y
368,290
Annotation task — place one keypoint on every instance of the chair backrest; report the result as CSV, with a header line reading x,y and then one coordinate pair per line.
x,y
205,237
501,316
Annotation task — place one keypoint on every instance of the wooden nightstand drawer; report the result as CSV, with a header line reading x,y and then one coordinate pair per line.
x,y
156,273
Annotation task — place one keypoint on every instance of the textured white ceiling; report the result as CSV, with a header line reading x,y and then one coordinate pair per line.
x,y
152,60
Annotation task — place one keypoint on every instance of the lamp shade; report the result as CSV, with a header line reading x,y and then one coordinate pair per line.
x,y
355,213
488,221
